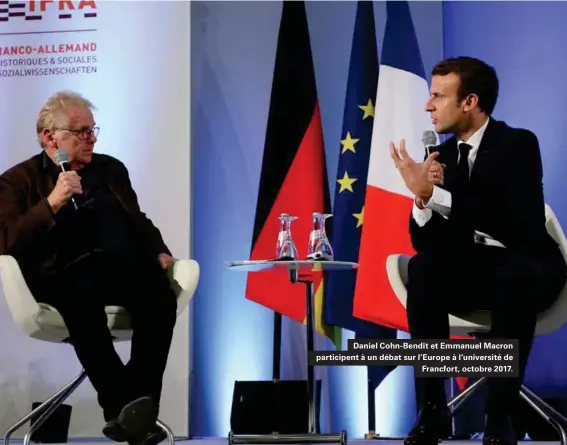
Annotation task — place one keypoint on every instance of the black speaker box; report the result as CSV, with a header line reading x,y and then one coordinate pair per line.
x,y
56,428
266,407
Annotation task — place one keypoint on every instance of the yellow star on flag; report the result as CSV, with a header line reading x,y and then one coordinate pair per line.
x,y
348,143
368,109
359,218
346,183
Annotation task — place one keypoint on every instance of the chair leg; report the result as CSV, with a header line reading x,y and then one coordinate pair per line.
x,y
547,412
167,430
45,409
51,409
464,395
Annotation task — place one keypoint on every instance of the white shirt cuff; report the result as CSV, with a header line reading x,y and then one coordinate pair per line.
x,y
421,216
440,202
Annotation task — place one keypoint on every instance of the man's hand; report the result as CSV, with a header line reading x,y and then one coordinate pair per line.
x,y
436,176
68,184
436,173
415,175
165,260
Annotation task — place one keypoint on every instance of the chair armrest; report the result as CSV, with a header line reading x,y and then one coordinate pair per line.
x,y
184,278
396,268
19,299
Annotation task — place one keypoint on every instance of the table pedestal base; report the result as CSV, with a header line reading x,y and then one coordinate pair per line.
x,y
312,436
307,438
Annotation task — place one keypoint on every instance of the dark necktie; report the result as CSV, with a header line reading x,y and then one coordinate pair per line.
x,y
463,172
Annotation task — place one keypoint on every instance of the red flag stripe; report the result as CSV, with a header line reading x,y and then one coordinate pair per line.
x,y
301,194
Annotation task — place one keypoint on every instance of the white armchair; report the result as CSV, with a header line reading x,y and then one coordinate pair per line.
x,y
43,322
477,322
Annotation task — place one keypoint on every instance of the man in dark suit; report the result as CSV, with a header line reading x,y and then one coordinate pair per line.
x,y
79,260
478,227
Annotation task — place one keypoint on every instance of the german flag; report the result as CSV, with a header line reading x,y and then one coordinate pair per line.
x,y
294,177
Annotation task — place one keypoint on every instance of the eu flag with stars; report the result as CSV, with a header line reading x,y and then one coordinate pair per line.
x,y
348,208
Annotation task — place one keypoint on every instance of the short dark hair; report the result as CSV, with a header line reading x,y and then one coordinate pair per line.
x,y
477,77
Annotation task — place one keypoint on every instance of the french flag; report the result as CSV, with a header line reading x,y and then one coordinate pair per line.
x,y
400,114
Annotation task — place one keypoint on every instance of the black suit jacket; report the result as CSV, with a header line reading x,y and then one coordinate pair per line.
x,y
25,213
505,198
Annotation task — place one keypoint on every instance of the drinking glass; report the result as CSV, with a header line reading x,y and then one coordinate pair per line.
x,y
319,247
285,247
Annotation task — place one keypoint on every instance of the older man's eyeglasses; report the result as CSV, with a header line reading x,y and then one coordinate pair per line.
x,y
84,133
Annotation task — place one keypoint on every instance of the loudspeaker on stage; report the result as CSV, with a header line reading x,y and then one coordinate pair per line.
x,y
266,407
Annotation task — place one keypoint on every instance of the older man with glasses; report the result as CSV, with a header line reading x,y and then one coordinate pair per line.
x,y
80,237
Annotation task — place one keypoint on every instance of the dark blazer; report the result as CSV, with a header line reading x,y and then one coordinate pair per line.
x,y
505,198
25,213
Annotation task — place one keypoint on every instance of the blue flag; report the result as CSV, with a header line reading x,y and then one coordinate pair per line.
x,y
348,208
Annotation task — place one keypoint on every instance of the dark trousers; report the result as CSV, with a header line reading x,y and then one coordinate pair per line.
x,y
514,286
81,293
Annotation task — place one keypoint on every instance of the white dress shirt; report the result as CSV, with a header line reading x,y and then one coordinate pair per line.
x,y
440,200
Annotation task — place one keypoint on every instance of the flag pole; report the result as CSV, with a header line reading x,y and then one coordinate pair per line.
x,y
371,406
277,347
277,359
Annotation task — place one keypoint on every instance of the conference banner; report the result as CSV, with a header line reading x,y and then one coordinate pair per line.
x,y
131,59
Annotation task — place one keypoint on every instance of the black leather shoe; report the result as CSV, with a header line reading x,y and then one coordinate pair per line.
x,y
113,430
499,432
153,438
433,425
137,419
498,440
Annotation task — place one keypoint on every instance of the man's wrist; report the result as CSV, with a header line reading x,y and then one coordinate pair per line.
x,y
54,205
422,199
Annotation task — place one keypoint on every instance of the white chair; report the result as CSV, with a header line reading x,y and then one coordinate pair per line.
x,y
43,322
478,322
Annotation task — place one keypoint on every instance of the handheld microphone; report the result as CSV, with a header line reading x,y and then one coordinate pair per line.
x,y
64,163
429,140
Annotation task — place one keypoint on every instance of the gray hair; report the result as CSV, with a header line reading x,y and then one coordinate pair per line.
x,y
54,113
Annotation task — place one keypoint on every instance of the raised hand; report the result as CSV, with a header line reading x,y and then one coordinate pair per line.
x,y
414,174
68,184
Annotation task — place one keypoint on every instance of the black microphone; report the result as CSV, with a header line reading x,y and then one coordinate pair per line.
x,y
64,163
429,140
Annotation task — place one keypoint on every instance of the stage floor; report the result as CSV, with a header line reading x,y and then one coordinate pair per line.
x,y
362,442
224,441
